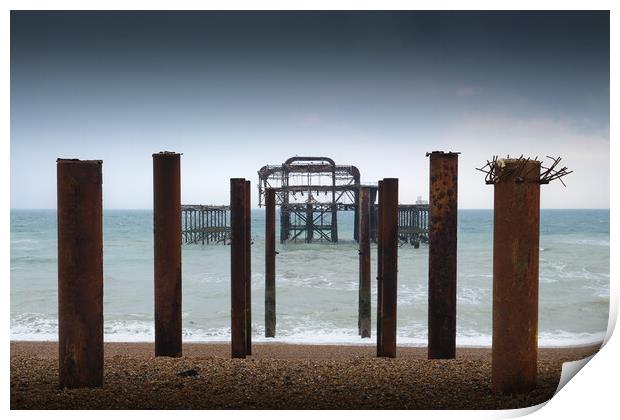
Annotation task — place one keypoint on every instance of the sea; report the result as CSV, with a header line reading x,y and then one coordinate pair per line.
x,y
317,284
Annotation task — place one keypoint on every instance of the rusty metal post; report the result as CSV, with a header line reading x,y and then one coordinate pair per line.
x,y
80,273
167,253
248,267
516,218
238,261
389,227
380,204
270,262
364,262
309,223
373,214
356,216
442,255
334,223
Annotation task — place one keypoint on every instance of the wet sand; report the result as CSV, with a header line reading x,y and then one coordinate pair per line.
x,y
277,376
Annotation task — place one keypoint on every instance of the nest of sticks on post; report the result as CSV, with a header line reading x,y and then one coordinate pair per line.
x,y
496,169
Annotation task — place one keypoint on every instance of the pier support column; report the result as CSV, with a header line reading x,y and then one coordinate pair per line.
x,y
516,218
285,221
442,255
238,262
380,269
167,243
389,250
248,267
334,223
373,214
356,216
270,262
80,273
309,223
364,262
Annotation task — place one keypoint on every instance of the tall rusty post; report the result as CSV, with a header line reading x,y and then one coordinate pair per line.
x,y
248,267
389,239
167,253
373,214
442,255
80,273
379,269
364,262
238,262
356,215
270,262
516,219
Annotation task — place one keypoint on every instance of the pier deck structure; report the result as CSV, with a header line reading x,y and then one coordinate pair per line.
x,y
205,224
310,192
413,223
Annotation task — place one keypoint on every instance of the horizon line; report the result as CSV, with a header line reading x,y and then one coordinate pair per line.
x,y
260,208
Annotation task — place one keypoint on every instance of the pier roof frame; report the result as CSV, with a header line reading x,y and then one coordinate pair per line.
x,y
343,181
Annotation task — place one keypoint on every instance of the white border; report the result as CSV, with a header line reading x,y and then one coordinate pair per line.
x,y
592,394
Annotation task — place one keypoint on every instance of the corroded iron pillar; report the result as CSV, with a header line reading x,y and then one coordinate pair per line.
x,y
285,221
80,273
364,262
248,267
167,247
309,223
238,262
389,228
373,214
356,216
270,262
442,255
334,223
379,269
516,218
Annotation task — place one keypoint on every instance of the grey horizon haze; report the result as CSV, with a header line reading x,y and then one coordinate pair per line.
x,y
234,91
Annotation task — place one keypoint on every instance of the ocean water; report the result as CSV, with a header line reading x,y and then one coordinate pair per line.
x,y
316,283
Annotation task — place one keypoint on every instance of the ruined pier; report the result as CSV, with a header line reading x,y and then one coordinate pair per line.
x,y
205,224
312,191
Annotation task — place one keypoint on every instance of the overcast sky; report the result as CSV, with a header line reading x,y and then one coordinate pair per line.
x,y
235,91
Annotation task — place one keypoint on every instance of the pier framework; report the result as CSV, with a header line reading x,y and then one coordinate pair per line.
x,y
413,223
205,224
310,192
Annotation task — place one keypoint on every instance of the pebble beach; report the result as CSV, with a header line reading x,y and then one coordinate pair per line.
x,y
278,376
